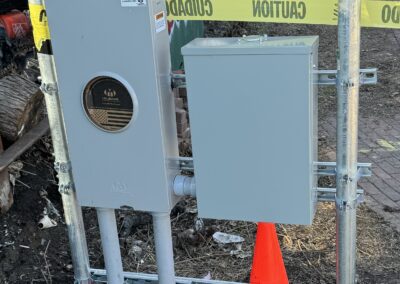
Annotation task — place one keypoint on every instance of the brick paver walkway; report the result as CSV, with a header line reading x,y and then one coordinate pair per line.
x,y
379,144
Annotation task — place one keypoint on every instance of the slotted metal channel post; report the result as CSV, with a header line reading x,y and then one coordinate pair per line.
x,y
72,210
347,138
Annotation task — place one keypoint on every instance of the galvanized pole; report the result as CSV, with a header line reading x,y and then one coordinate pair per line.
x,y
347,138
110,243
164,250
72,210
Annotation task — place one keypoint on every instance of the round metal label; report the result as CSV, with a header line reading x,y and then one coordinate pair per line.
x,y
108,104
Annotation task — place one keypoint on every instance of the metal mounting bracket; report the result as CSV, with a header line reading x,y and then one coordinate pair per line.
x,y
329,195
329,169
323,168
100,276
181,163
329,77
368,76
178,80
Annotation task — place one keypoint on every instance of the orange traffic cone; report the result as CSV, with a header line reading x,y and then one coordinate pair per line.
x,y
268,266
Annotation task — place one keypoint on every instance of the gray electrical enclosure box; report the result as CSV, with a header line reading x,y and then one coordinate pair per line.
x,y
253,115
113,66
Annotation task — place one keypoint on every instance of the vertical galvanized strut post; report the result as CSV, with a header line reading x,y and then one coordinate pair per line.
x,y
110,244
164,251
72,211
347,138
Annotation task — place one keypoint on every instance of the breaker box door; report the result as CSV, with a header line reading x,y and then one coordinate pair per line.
x,y
253,115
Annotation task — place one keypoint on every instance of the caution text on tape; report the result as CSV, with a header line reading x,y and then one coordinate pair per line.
x,y
380,14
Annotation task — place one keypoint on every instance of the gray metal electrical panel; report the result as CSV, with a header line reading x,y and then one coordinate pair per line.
x,y
253,114
113,66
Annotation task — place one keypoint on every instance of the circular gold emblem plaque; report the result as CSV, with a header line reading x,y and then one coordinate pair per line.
x,y
108,104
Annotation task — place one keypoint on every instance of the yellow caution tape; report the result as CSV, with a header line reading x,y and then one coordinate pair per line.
x,y
379,14
41,31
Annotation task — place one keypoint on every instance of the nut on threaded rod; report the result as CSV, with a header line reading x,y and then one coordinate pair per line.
x,y
66,188
49,89
62,167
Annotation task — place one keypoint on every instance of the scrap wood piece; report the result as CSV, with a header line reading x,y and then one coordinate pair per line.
x,y
6,194
23,144
10,154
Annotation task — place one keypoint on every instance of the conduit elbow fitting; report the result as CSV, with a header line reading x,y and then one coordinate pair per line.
x,y
185,186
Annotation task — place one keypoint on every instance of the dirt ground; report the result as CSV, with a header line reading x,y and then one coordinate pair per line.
x,y
31,255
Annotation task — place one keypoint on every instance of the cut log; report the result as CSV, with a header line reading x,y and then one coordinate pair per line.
x,y
21,106
6,194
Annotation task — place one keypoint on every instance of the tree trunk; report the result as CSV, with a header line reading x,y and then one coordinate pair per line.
x,y
6,193
21,106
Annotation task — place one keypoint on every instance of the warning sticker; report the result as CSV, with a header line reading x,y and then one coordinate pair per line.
x,y
378,14
40,27
160,21
133,3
